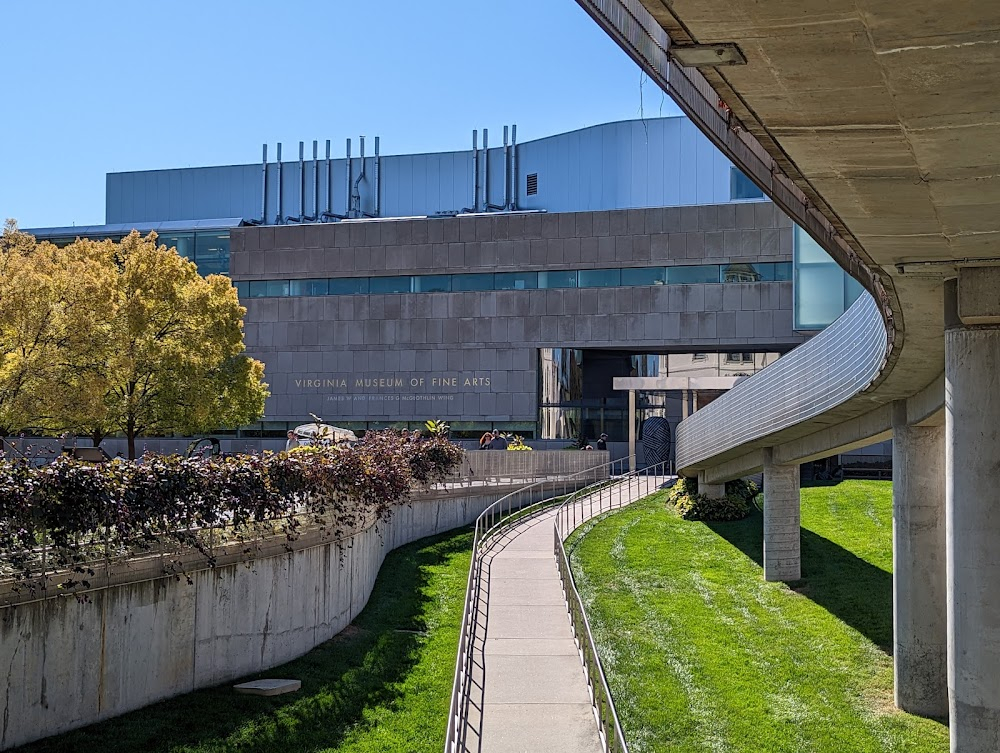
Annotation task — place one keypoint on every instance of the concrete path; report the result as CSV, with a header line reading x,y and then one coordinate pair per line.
x,y
529,688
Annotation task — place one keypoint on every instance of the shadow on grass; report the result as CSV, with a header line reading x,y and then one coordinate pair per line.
x,y
855,591
343,680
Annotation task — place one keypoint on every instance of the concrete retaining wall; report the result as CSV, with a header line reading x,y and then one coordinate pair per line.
x,y
69,664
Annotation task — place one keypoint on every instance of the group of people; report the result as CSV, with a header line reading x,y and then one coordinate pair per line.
x,y
492,440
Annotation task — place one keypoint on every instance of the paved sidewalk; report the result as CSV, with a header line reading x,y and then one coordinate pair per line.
x,y
529,689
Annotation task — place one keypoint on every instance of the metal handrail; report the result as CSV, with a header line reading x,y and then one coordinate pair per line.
x,y
492,520
612,737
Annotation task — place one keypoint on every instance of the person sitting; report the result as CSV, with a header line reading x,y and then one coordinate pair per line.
x,y
602,443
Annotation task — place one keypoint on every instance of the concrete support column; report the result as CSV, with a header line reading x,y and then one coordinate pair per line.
x,y
712,491
919,568
782,541
631,430
972,439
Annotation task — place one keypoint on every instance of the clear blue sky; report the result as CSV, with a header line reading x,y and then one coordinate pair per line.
x,y
105,86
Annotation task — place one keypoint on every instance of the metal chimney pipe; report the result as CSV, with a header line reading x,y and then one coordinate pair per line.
x,y
315,180
486,170
361,175
347,213
302,180
514,185
475,170
279,219
506,170
376,198
263,188
329,180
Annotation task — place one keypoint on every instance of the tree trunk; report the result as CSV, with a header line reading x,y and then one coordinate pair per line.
x,y
130,434
97,436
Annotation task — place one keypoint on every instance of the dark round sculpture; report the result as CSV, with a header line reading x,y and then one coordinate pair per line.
x,y
656,440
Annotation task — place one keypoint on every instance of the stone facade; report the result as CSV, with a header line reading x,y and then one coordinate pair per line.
x,y
473,355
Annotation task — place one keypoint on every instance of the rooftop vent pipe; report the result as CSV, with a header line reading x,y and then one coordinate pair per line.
x,y
315,214
356,193
277,220
376,203
475,170
512,206
347,193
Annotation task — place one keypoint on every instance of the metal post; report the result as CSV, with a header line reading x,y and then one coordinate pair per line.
x,y
486,170
475,170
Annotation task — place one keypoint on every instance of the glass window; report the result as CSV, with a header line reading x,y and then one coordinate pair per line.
x,y
242,289
258,288
693,274
211,253
741,187
782,270
277,288
600,278
390,284
741,272
348,286
309,287
183,242
557,279
472,282
644,276
516,280
432,284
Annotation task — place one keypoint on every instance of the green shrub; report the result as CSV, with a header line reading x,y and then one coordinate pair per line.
x,y
690,505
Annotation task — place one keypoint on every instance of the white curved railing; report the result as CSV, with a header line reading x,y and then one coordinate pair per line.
x,y
837,364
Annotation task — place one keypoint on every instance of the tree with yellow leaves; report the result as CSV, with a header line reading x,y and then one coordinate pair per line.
x,y
101,336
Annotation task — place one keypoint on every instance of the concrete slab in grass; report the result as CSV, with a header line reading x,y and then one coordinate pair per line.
x,y
268,687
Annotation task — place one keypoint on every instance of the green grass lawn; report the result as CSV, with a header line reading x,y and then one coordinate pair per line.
x,y
703,655
384,684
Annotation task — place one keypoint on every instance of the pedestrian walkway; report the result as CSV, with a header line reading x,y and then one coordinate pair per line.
x,y
529,688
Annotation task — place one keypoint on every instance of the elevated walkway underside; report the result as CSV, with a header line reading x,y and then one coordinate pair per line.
x,y
875,124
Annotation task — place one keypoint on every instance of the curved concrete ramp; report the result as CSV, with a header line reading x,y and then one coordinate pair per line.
x,y
529,687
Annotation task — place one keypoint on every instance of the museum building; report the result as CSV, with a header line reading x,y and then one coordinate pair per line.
x,y
498,287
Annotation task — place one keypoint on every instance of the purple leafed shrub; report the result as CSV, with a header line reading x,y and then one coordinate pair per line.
x,y
66,516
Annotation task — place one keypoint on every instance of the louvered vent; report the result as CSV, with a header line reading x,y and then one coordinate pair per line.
x,y
532,184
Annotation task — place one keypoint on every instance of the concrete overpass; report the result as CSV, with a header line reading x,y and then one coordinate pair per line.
x,y
875,124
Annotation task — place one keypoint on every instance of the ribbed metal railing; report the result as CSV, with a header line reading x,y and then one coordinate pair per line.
x,y
837,364
494,520
579,507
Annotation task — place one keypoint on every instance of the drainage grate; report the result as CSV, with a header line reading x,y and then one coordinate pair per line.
x,y
532,184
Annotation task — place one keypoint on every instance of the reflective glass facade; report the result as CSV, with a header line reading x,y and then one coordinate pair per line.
x,y
576,392
823,290
208,250
584,278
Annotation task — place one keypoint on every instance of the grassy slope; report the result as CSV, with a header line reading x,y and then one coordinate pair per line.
x,y
383,684
703,655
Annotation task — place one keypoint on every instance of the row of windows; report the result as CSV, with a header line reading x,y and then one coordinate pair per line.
x,y
208,250
583,278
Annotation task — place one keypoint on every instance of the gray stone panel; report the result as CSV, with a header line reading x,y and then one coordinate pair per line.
x,y
495,335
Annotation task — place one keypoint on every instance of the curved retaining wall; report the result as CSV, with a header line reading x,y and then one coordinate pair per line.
x,y
69,664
